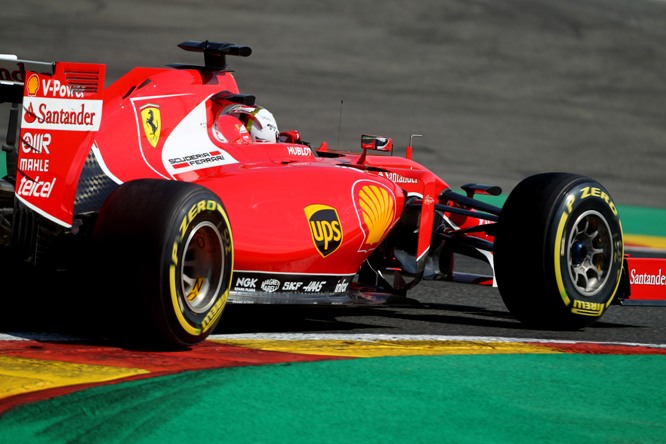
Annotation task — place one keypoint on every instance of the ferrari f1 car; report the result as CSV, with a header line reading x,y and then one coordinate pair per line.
x,y
177,194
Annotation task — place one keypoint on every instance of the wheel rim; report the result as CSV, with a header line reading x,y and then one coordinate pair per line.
x,y
201,271
590,253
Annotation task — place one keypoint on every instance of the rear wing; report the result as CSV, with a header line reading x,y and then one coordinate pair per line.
x,y
12,76
56,111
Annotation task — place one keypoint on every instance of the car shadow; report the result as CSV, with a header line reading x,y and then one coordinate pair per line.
x,y
58,316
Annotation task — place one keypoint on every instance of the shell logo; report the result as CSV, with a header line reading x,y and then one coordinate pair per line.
x,y
375,206
32,85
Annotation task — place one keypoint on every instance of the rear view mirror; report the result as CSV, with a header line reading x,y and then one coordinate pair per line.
x,y
376,143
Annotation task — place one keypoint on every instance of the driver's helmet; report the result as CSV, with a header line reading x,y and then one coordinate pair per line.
x,y
258,120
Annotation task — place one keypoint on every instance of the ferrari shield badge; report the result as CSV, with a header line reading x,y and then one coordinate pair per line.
x,y
152,122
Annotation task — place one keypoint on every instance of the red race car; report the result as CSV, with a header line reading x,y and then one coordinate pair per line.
x,y
176,194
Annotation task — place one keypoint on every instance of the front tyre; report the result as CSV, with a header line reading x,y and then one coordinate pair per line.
x,y
558,251
167,255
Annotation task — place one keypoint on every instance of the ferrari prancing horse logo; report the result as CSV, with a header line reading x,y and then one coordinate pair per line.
x,y
152,122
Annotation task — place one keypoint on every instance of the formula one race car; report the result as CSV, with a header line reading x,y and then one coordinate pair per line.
x,y
177,194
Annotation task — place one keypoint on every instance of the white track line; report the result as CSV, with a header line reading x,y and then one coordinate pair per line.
x,y
338,337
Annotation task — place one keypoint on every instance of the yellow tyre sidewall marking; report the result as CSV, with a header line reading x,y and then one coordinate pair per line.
x,y
558,252
216,310
557,258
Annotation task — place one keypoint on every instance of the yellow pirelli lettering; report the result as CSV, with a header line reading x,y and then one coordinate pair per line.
x,y
587,308
193,212
215,312
557,253
570,201
183,226
597,192
202,205
174,253
189,328
590,191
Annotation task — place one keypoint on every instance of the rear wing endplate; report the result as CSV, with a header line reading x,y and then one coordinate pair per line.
x,y
12,75
57,110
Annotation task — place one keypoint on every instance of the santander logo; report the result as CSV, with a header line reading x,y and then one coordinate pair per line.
x,y
637,278
62,114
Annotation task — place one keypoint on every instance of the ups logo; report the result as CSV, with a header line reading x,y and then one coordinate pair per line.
x,y
325,228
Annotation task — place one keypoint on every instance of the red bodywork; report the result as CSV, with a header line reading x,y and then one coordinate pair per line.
x,y
647,281
302,221
292,212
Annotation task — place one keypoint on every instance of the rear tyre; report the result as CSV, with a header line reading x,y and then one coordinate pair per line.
x,y
166,259
558,251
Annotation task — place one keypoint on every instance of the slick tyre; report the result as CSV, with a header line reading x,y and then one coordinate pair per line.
x,y
166,260
558,251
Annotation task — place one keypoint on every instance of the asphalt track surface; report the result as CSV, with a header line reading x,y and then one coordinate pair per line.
x,y
499,90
